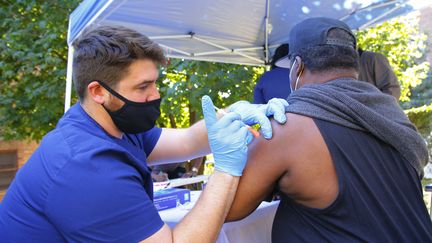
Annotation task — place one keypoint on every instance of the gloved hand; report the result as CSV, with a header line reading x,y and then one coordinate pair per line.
x,y
252,114
228,139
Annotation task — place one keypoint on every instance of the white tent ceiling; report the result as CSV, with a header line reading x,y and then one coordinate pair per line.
x,y
232,31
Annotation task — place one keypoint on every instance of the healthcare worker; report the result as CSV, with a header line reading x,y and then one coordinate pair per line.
x,y
89,180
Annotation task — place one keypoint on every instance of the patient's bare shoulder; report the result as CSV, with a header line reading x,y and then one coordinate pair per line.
x,y
311,178
287,143
268,161
272,157
291,137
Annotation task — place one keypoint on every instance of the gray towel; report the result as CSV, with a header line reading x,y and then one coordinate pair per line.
x,y
360,105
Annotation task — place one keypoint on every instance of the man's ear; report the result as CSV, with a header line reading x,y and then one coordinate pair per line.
x,y
299,67
96,92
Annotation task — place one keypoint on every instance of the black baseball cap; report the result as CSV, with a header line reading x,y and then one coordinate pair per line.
x,y
314,32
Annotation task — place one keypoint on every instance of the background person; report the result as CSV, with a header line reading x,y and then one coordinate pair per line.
x,y
375,69
274,83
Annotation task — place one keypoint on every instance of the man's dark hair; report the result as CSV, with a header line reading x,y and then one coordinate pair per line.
x,y
330,57
105,54
280,52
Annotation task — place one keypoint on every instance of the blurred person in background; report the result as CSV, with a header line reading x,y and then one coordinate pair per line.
x,y
375,69
274,83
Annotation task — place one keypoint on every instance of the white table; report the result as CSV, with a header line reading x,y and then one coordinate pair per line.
x,y
254,228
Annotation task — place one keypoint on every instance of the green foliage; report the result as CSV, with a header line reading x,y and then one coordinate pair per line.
x,y
420,95
404,45
183,83
32,66
33,69
422,118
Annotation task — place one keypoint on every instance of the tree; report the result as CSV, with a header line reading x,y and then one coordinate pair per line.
x,y
404,45
183,83
33,69
32,66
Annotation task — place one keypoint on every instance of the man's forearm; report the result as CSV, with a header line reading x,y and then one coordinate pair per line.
x,y
197,140
203,222
178,145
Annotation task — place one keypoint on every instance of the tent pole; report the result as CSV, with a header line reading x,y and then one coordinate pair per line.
x,y
370,7
228,51
225,48
267,29
261,63
68,92
93,19
175,49
379,17
169,37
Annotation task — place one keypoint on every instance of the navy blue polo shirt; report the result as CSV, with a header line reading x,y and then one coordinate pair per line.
x,y
83,185
272,84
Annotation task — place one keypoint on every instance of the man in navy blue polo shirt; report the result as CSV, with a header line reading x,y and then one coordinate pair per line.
x,y
89,180
274,83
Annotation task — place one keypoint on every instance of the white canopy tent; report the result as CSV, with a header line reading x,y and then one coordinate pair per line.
x,y
231,31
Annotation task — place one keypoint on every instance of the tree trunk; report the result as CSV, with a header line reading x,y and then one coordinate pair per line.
x,y
172,121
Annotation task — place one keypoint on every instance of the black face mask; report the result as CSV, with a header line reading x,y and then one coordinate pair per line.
x,y
134,117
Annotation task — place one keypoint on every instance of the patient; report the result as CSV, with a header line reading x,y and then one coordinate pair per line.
x,y
352,169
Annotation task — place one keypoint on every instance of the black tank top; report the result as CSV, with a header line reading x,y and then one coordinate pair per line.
x,y
380,196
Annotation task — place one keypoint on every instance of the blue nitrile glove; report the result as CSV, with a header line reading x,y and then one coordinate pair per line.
x,y
252,114
228,139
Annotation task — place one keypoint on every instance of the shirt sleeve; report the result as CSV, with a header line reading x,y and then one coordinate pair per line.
x,y
385,77
146,140
258,93
106,203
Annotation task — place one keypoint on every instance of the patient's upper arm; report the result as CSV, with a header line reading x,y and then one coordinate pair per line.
x,y
267,162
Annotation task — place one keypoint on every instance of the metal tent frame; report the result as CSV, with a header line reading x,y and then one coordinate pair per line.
x,y
219,53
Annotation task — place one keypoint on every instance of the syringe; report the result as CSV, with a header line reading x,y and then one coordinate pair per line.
x,y
254,132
